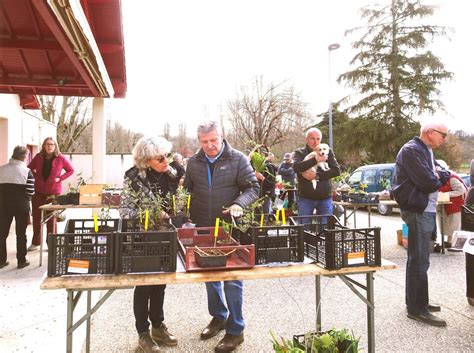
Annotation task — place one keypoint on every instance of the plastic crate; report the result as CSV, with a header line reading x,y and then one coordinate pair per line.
x,y
344,247
315,224
467,218
360,198
139,251
239,256
275,243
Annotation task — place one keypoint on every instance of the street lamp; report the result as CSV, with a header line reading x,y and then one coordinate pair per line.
x,y
331,47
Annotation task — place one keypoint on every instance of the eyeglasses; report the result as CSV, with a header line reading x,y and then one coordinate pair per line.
x,y
50,144
444,134
161,159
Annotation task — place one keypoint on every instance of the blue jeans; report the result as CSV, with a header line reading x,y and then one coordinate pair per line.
x,y
420,228
306,207
233,291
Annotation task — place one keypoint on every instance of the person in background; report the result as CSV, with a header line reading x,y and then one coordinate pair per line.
x,y
177,164
415,189
456,189
469,257
309,198
16,189
150,176
288,176
267,179
220,180
50,168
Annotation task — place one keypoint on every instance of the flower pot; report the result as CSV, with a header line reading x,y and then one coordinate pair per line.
x,y
210,258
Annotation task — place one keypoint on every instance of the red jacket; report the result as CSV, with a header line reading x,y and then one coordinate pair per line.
x,y
456,201
50,186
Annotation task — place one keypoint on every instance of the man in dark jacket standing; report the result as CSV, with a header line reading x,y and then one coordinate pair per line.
x,y
416,191
310,198
16,189
220,180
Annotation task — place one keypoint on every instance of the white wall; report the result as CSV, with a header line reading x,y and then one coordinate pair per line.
x,y
115,168
18,128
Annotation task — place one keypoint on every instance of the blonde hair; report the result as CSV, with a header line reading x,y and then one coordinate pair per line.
x,y
148,148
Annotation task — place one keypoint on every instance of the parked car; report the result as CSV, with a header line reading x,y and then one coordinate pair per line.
x,y
466,178
377,177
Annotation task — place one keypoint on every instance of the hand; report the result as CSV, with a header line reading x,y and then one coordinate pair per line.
x,y
57,180
234,210
259,176
309,174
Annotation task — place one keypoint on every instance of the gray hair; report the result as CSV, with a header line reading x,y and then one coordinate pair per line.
x,y
177,157
20,153
313,129
208,126
148,148
430,125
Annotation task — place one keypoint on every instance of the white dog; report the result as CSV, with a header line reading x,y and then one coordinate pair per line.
x,y
323,150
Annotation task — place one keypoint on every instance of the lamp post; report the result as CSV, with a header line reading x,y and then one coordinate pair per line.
x,y
331,47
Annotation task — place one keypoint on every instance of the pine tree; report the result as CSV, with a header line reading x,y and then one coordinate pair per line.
x,y
397,77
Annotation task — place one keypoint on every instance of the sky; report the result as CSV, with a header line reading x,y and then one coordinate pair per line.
x,y
186,59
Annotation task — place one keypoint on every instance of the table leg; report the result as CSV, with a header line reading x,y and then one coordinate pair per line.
x,y
441,226
317,280
370,313
345,216
88,329
41,238
70,312
369,213
355,213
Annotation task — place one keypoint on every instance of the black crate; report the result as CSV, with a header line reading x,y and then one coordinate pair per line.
x,y
145,251
344,247
80,242
95,248
467,218
360,198
315,224
275,243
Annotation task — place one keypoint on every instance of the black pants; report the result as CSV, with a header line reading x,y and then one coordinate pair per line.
x,y
148,303
470,275
21,222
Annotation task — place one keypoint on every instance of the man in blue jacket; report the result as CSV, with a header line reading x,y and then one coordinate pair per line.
x,y
416,191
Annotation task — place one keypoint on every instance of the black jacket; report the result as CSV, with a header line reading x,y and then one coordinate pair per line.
x,y
414,176
305,187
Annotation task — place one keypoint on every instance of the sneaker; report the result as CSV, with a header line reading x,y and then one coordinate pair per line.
x,y
24,264
147,344
162,335
6,263
33,247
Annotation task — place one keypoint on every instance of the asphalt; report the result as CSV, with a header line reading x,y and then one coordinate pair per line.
x,y
34,320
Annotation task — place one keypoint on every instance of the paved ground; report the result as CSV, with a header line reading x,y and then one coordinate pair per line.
x,y
34,320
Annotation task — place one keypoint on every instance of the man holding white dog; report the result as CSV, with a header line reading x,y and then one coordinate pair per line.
x,y
315,166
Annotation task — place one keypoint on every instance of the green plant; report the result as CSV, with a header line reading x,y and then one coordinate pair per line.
x,y
284,345
258,161
80,181
247,219
179,201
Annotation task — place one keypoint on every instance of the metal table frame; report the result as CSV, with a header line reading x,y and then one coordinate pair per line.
x,y
76,285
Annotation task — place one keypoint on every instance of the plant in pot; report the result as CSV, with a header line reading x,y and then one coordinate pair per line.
x,y
332,341
180,204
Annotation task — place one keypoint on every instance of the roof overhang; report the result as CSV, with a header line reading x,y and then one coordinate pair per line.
x,y
62,47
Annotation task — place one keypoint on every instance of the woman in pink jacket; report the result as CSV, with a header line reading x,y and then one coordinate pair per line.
x,y
47,167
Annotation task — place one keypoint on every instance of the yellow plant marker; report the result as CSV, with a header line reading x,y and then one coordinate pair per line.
x,y
283,219
96,223
261,220
277,216
140,210
189,202
216,231
146,219
174,205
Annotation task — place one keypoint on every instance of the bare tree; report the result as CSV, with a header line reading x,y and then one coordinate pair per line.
x,y
267,114
167,131
71,116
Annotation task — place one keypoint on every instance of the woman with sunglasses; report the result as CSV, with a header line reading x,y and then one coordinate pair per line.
x,y
50,168
150,177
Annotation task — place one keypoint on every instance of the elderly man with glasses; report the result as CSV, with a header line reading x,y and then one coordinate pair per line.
x,y
417,181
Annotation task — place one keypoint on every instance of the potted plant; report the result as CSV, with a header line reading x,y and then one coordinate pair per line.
x,y
180,204
72,196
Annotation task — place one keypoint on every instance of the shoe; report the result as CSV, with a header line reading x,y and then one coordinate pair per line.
x,y
428,318
229,342
432,307
6,263
447,244
147,344
162,335
24,264
33,247
213,328
470,300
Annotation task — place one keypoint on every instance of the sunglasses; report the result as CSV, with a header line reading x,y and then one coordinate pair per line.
x,y
444,134
161,159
